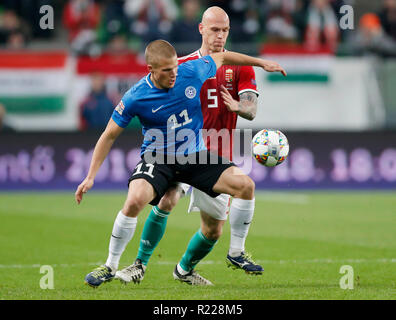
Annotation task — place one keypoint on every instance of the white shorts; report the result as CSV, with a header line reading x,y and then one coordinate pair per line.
x,y
218,208
184,187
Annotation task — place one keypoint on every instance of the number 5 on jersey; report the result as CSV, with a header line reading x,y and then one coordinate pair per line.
x,y
212,96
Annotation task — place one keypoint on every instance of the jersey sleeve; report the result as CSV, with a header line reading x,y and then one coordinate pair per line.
x,y
202,68
247,80
124,111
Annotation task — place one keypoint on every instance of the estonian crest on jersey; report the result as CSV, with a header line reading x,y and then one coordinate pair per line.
x,y
229,75
120,108
190,92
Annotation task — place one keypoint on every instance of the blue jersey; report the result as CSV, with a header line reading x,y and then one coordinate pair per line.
x,y
171,118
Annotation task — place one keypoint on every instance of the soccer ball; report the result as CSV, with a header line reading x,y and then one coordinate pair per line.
x,y
270,147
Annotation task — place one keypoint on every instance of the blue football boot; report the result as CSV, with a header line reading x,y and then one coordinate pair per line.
x,y
98,276
244,262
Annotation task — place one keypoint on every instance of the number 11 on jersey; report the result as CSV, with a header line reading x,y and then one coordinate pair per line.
x,y
176,124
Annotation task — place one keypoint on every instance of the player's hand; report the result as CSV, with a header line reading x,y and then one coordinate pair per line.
x,y
272,66
231,104
83,188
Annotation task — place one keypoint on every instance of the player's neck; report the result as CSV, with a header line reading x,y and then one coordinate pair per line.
x,y
204,51
156,84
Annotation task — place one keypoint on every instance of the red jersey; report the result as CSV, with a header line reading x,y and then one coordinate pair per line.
x,y
236,79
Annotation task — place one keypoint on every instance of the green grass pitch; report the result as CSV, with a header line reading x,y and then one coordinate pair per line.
x,y
302,240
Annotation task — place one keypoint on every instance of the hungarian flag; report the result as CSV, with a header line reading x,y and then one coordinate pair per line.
x,y
301,64
34,82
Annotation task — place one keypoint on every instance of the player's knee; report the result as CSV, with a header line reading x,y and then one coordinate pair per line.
x,y
133,206
167,203
251,186
247,188
170,199
216,234
213,232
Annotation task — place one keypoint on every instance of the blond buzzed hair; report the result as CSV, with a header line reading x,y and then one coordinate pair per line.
x,y
214,13
158,49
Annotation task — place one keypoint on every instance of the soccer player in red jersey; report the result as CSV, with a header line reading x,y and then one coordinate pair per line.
x,y
231,93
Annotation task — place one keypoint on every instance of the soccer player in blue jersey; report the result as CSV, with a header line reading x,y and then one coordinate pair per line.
x,y
220,116
167,104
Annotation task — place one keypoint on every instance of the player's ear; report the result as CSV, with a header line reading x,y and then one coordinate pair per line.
x,y
150,68
200,28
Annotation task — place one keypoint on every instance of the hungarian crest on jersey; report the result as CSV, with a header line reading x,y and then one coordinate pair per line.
x,y
229,75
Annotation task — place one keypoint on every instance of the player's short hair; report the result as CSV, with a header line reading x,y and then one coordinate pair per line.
x,y
159,49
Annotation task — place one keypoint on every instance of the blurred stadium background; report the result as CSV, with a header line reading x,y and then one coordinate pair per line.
x,y
337,106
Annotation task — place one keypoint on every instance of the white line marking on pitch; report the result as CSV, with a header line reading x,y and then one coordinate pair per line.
x,y
285,197
319,261
64,265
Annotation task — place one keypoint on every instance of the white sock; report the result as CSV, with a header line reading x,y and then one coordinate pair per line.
x,y
123,230
241,215
181,270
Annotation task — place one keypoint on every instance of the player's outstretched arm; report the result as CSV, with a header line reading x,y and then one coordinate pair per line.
x,y
246,107
100,153
239,59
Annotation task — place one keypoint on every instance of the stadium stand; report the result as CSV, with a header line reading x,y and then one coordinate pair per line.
x,y
104,34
